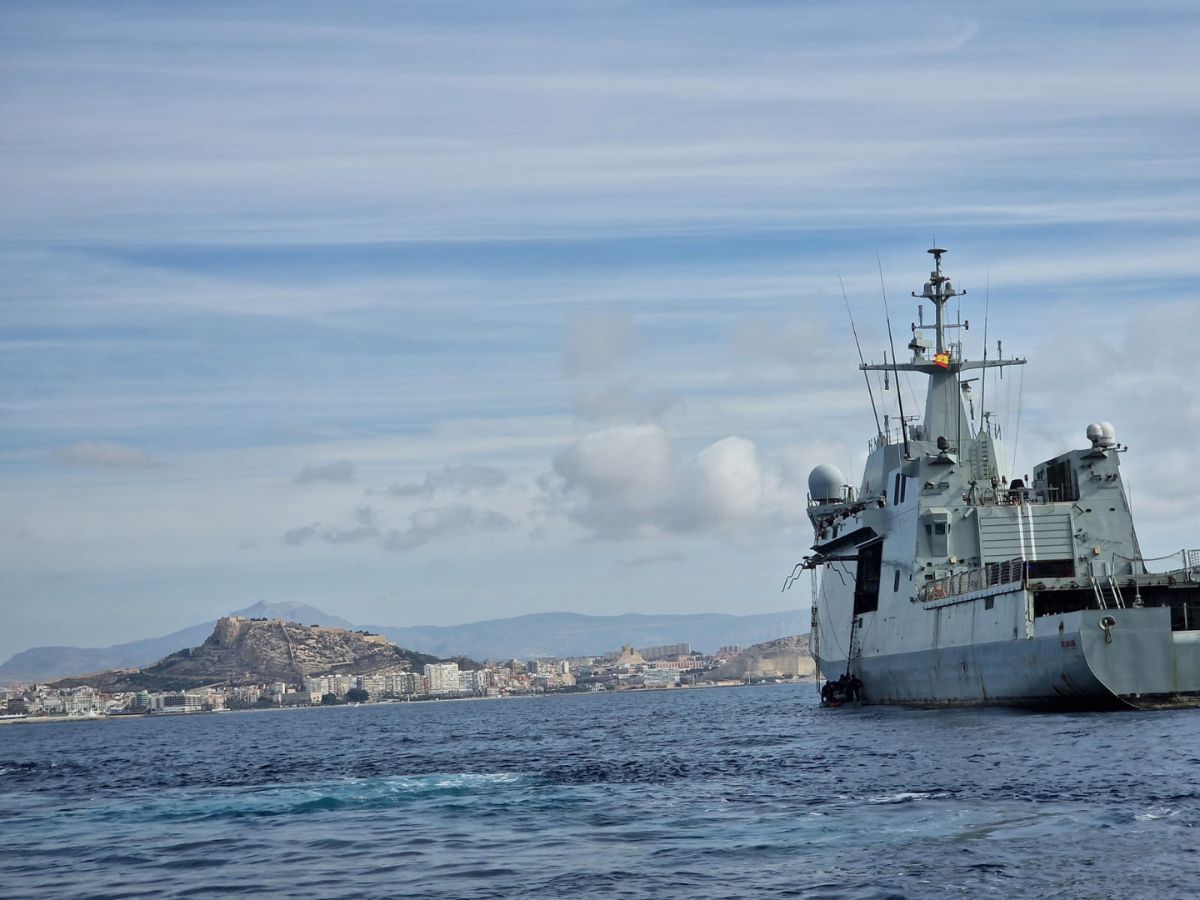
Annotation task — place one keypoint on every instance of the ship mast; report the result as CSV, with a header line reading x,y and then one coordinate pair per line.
x,y
939,288
944,412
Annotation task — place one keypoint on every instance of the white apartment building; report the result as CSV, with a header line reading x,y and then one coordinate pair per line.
x,y
403,683
472,682
329,684
443,678
244,694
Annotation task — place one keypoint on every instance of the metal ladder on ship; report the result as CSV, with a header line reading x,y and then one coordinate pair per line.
x,y
855,649
1108,592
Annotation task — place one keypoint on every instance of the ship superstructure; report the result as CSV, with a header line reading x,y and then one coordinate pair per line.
x,y
947,579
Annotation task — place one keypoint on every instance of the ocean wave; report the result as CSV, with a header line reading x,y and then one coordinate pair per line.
x,y
311,797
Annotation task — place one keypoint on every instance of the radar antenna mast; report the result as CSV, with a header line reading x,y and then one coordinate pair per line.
x,y
944,412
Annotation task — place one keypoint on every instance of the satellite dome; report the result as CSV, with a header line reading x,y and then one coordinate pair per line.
x,y
1108,435
1095,433
826,484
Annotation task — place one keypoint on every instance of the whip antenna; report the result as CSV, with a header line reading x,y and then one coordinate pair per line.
x,y
987,296
895,371
863,362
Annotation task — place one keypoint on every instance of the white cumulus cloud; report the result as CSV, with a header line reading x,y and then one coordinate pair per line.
x,y
630,481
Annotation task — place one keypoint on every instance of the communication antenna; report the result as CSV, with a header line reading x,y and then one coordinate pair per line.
x,y
958,399
987,296
1020,403
895,371
863,362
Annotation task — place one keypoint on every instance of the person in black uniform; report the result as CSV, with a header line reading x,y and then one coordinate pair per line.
x,y
854,688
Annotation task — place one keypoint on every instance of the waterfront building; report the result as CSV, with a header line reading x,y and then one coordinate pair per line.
x,y
247,694
300,698
375,685
176,702
664,677
398,684
330,684
443,678
473,682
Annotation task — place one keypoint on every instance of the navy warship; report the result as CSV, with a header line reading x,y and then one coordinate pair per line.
x,y
946,579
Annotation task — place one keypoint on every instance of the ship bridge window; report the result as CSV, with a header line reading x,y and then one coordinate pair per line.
x,y
866,578
1061,483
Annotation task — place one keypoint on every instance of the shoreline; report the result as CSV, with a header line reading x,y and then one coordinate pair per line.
x,y
60,720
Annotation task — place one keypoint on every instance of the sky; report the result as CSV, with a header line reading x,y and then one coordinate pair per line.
x,y
427,313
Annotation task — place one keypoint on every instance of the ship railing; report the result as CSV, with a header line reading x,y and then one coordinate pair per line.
x,y
1003,496
1182,564
1010,571
1191,563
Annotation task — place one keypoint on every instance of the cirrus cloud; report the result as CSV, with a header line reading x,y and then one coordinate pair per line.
x,y
106,454
340,472
460,477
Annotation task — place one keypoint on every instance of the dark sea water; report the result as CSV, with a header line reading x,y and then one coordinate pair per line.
x,y
739,792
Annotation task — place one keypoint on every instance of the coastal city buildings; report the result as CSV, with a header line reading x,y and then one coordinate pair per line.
x,y
629,668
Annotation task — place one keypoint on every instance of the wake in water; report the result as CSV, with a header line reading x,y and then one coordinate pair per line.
x,y
314,797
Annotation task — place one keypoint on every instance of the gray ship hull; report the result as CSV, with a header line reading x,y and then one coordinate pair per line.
x,y
1071,662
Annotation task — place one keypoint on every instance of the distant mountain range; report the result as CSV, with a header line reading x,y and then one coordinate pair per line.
x,y
573,634
522,637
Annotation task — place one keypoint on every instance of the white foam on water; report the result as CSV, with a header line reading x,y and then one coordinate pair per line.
x,y
1156,812
908,796
301,797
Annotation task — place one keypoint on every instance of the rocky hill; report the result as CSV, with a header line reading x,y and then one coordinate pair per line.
x,y
784,658
242,650
50,663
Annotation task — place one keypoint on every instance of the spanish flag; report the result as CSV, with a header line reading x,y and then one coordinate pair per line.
x,y
943,360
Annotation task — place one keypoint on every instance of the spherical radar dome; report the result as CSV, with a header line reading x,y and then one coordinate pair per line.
x,y
826,484
1110,435
1102,435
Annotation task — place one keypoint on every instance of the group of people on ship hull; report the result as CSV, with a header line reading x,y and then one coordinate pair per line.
x,y
845,688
